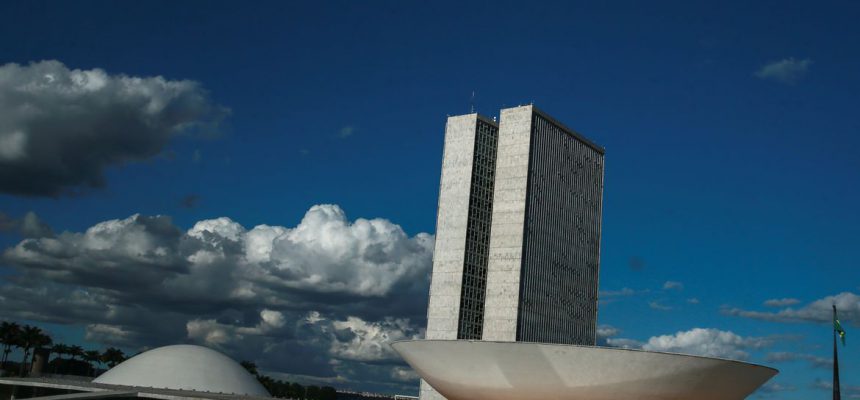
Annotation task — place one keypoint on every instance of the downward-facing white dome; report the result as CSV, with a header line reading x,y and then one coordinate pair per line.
x,y
184,367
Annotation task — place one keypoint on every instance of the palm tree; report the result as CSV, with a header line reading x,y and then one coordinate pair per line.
x,y
113,356
9,332
92,356
76,351
41,341
59,349
30,336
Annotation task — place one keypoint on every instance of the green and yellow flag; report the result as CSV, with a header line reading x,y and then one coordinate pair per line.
x,y
838,327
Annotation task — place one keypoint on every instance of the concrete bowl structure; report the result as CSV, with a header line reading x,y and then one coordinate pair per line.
x,y
481,370
184,367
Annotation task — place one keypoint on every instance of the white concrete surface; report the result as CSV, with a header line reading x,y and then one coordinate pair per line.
x,y
501,306
482,370
451,222
184,367
452,219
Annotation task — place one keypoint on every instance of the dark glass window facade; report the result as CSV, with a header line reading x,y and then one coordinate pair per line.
x,y
473,291
561,243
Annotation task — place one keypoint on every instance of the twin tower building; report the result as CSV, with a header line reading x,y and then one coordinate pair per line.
x,y
517,250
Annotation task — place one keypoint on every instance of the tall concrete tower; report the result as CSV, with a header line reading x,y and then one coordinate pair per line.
x,y
545,237
517,250
458,282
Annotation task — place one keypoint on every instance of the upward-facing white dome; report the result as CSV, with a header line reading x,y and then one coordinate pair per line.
x,y
184,367
482,370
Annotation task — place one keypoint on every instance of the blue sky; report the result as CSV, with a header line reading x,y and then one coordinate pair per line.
x,y
730,129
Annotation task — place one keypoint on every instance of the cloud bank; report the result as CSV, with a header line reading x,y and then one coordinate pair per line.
x,y
707,342
818,311
320,299
60,128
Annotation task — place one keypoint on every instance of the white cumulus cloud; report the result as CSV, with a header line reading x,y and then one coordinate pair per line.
x,y
324,253
60,127
214,333
327,253
330,292
370,341
706,342
607,331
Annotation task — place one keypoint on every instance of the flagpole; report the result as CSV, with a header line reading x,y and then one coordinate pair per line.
x,y
836,394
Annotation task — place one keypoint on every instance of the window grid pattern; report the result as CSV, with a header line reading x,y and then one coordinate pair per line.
x,y
474,286
560,264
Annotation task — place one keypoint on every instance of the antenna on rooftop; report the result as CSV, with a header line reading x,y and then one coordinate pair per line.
x,y
472,103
